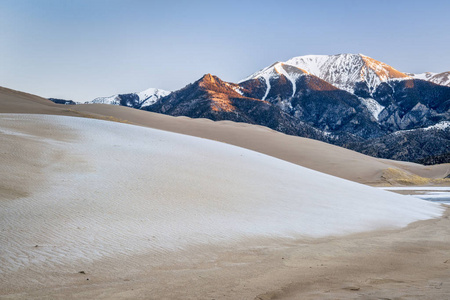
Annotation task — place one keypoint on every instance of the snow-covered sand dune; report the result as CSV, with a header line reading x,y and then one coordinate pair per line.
x,y
92,188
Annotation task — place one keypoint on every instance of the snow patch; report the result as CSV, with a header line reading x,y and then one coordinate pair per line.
x,y
147,97
439,126
151,95
373,106
423,76
113,100
238,90
292,78
273,72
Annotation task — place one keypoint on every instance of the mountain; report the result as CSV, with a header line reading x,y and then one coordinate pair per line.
x,y
350,100
438,78
214,99
136,100
355,73
308,98
336,93
428,145
411,104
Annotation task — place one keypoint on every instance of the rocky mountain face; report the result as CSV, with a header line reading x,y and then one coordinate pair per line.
x,y
214,99
428,145
355,73
388,109
313,100
350,100
411,104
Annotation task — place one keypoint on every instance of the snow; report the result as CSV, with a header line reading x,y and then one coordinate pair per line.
x,y
423,76
260,73
238,90
441,78
119,189
113,100
151,95
267,80
292,78
438,78
274,71
373,106
343,70
266,74
439,126
311,63
152,92
147,97
430,193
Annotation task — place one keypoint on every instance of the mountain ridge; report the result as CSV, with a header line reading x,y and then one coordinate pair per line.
x,y
350,100
136,100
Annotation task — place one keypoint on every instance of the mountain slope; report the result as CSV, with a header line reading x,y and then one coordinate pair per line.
x,y
350,100
423,145
438,78
135,100
214,99
412,103
284,74
314,101
358,101
350,72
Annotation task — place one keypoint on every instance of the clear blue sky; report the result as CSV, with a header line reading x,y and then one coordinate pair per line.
x,y
81,49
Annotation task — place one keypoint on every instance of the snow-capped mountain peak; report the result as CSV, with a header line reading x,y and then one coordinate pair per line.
x,y
114,100
275,71
137,100
152,92
151,95
346,70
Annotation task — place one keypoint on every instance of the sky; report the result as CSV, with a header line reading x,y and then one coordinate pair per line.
x,y
83,49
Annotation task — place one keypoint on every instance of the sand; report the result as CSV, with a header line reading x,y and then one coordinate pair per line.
x,y
312,154
412,263
68,242
407,263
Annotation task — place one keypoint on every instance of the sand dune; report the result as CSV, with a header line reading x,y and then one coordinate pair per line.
x,y
145,213
111,183
305,152
65,236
